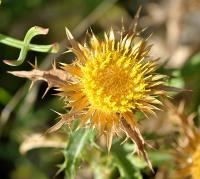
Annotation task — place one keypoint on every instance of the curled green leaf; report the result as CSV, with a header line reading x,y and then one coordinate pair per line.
x,y
25,45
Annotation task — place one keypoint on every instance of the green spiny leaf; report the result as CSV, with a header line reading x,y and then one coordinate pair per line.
x,y
78,142
126,168
101,164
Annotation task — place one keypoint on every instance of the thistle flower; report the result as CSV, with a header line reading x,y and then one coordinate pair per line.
x,y
109,80
113,79
187,153
188,157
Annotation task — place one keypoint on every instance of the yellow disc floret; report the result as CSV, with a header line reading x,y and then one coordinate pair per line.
x,y
113,82
195,169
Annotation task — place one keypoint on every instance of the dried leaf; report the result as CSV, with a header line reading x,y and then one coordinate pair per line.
x,y
39,141
65,118
54,77
137,138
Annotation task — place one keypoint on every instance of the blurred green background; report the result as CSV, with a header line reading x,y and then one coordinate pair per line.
x,y
175,26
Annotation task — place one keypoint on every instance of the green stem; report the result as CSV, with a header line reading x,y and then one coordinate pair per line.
x,y
34,47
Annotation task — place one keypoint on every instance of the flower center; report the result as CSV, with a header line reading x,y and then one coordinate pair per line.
x,y
113,82
195,169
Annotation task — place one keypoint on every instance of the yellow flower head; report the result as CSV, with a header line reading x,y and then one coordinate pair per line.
x,y
187,153
112,79
188,157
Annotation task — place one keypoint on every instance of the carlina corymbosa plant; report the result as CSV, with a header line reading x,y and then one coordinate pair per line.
x,y
187,152
109,80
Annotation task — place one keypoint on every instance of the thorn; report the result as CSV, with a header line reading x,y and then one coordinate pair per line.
x,y
47,89
87,34
122,22
32,83
134,24
32,65
56,112
56,126
67,51
69,35
77,128
111,34
136,18
135,150
54,65
35,66
181,107
91,31
110,136
62,64
145,114
124,140
149,36
150,146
